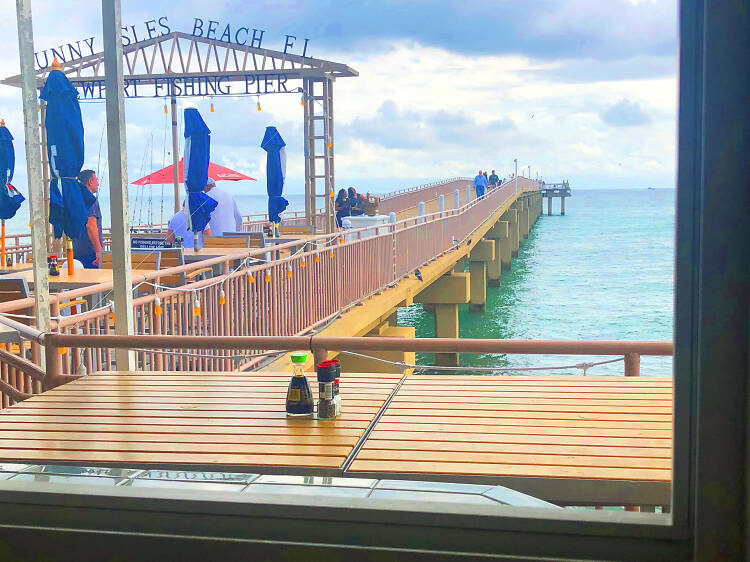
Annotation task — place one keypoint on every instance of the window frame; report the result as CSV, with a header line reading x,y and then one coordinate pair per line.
x,y
710,367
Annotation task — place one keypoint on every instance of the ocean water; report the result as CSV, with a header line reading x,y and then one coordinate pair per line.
x,y
604,271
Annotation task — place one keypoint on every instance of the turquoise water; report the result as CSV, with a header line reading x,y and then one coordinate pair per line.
x,y
603,271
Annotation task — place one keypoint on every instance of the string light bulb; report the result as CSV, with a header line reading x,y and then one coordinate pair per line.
x,y
330,254
211,109
267,278
157,307
303,264
250,278
302,102
258,103
317,258
165,108
222,298
196,307
62,350
289,272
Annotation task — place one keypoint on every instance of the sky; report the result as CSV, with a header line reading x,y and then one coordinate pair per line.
x,y
582,90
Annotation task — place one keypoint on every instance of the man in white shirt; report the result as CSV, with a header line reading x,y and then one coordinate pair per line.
x,y
226,216
177,228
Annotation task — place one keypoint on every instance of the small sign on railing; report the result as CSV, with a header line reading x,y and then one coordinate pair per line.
x,y
139,243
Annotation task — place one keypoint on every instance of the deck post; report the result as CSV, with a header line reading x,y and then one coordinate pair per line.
x,y
511,216
524,219
482,254
445,294
33,168
549,205
501,252
562,205
118,178
632,365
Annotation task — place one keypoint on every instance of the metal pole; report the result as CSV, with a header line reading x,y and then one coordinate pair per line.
x,y
118,177
515,176
175,155
33,167
45,171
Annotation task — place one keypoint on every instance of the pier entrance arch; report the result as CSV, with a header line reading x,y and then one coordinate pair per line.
x,y
178,64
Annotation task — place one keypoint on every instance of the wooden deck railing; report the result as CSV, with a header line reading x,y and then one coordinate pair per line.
x,y
20,378
285,297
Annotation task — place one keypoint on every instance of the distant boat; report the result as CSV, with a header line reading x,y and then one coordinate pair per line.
x,y
651,188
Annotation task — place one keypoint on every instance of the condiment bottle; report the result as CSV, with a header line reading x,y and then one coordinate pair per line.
x,y
54,271
299,399
329,403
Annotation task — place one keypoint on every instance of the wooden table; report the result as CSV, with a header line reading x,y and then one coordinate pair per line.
x,y
16,267
80,277
563,439
203,421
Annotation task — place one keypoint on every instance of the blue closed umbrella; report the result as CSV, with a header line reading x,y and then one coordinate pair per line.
x,y
274,145
195,162
69,201
10,198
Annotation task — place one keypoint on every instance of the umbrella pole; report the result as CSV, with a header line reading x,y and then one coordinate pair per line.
x,y
175,155
2,244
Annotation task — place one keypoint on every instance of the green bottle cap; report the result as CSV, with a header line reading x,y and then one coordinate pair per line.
x,y
299,357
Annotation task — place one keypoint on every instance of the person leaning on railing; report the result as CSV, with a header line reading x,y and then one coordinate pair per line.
x,y
341,206
356,203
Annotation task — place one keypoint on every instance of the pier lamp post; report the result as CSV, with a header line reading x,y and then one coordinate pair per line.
x,y
515,176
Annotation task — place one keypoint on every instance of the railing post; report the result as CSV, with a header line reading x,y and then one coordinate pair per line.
x,y
420,212
441,204
468,194
632,365
456,199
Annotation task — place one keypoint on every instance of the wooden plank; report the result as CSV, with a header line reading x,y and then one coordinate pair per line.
x,y
464,457
201,448
520,448
275,401
25,417
183,429
540,418
135,458
481,410
479,469
472,438
552,428
481,400
174,437
120,407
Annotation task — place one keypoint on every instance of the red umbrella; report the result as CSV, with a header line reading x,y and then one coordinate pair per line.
x,y
215,172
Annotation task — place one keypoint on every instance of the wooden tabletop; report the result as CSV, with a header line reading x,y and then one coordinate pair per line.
x,y
80,277
612,428
174,419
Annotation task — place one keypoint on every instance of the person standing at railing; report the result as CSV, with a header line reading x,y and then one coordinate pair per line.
x,y
356,203
480,184
87,248
341,206
226,216
493,180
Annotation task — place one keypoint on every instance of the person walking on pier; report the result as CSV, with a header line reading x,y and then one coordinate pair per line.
x,y
493,179
480,184
177,228
87,248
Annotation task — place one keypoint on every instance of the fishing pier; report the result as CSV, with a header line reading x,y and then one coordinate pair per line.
x,y
556,190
